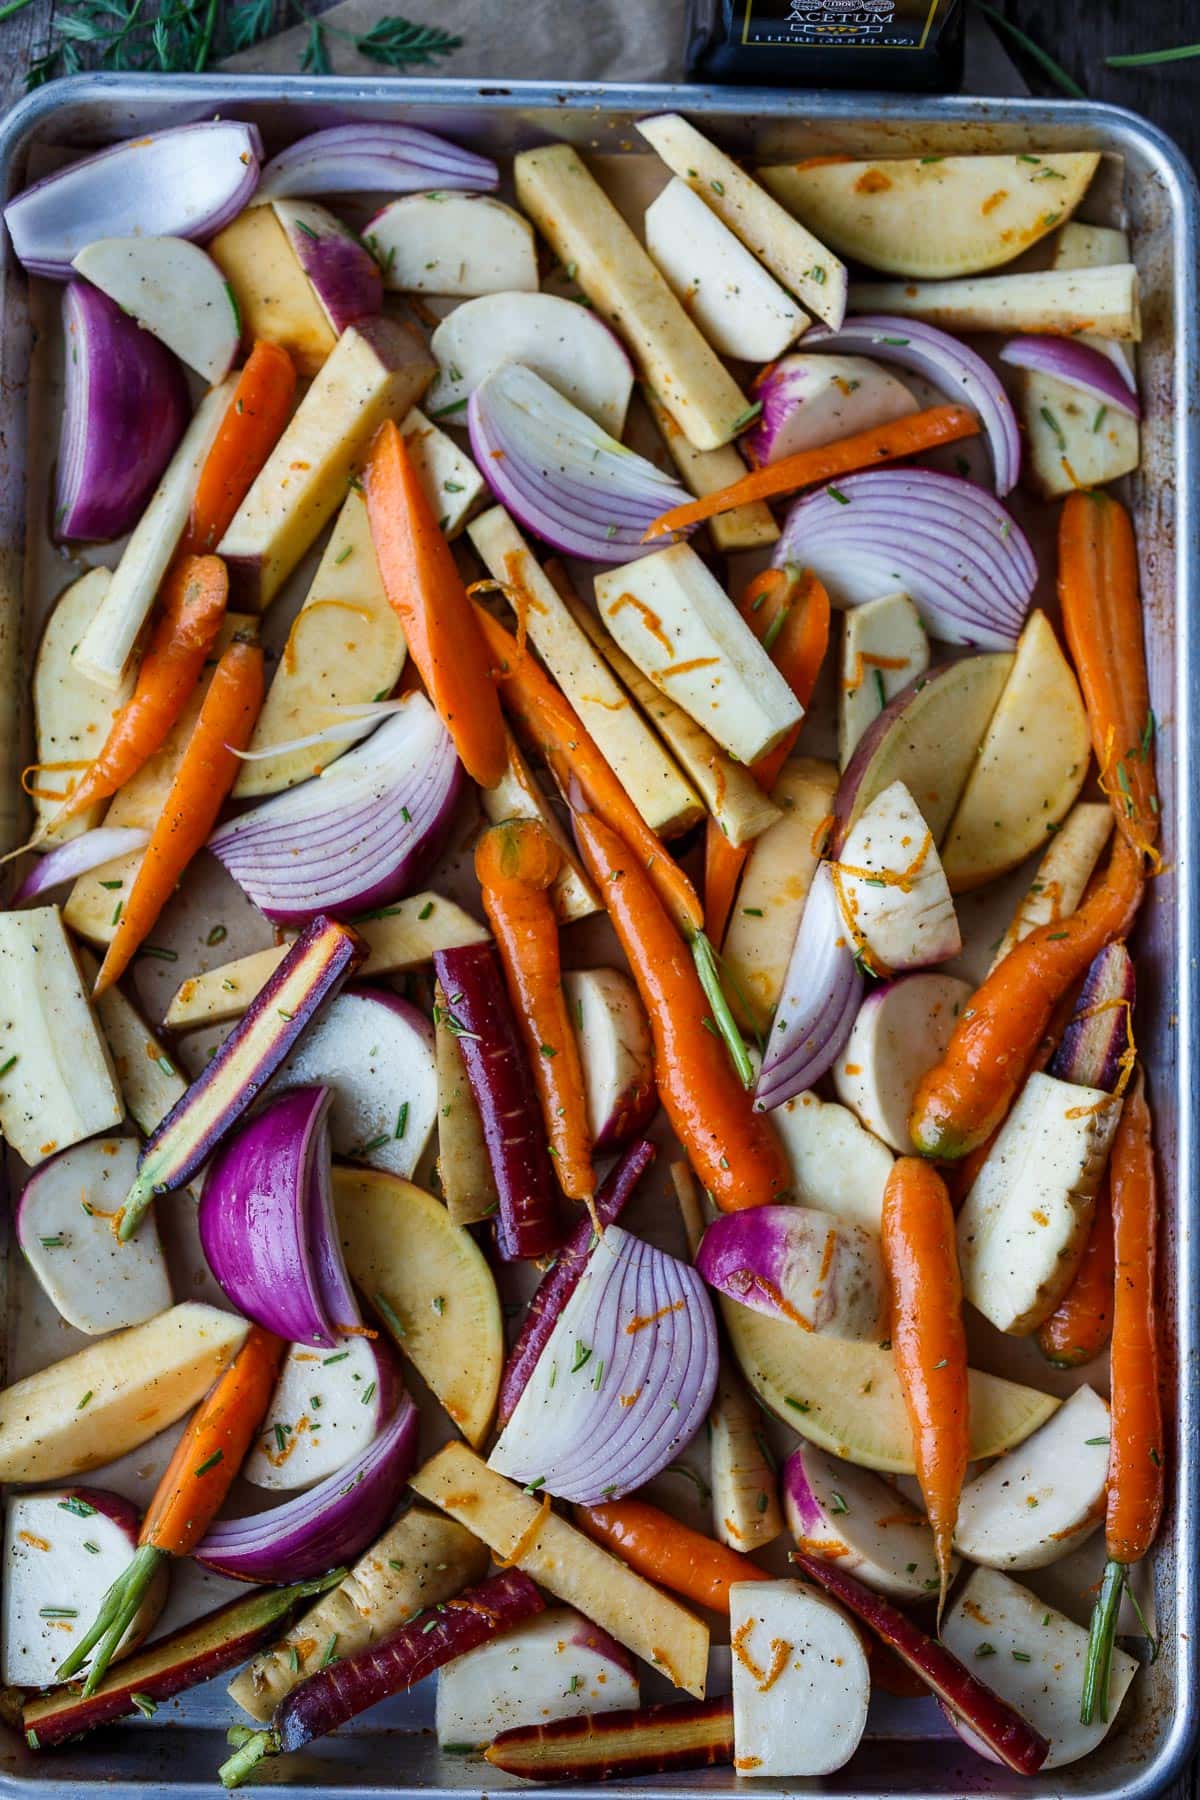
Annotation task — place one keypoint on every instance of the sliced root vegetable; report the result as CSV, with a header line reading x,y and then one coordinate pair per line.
x,y
149,1080
328,1409
1062,874
276,302
373,158
428,1281
568,1565
801,1682
616,1052
623,1381
1035,1658
706,472
821,994
838,1166
651,1740
173,290
552,1667
520,795
568,346
1100,302
892,888
72,713
464,1169
1042,1500
674,1555
790,1262
64,1228
884,650
934,215
448,243
453,485
79,857
845,1396
808,401
849,1516
1097,1047
344,275
93,1406
901,1031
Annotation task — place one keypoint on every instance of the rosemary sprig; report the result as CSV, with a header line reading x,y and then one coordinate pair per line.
x,y
1149,59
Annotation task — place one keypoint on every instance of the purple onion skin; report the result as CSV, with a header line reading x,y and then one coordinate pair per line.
x,y
501,1082
353,159
559,1283
1099,1032
131,418
345,276
339,1692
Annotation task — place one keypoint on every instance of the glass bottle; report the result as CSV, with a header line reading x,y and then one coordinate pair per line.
x,y
913,44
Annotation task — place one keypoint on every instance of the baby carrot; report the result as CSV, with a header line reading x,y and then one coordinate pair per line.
x,y
733,1149
203,779
1080,1324
246,436
517,863
882,443
1102,620
190,1494
921,1259
663,1550
422,582
965,1096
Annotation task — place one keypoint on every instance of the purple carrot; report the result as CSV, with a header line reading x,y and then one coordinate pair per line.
x,y
1096,1044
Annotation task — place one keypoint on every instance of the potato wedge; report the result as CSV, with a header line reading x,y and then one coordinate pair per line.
x,y
72,713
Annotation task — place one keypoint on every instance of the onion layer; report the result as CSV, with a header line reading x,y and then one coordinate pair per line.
x,y
1107,379
393,159
821,994
624,1381
76,857
358,836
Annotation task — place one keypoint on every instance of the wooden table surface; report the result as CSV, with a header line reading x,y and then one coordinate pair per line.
x,y
1078,33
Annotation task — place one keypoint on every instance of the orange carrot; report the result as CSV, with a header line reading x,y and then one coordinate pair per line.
x,y
517,863
423,584
1136,1480
733,1150
663,1550
193,607
1080,1324
190,1493
547,717
965,1096
921,1259
788,611
246,436
1102,620
882,443
204,777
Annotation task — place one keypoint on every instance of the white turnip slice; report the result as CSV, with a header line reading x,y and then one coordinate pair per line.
x,y
327,1408
1042,1499
837,1165
551,1667
616,1052
850,1516
901,1031
893,892
801,1684
565,344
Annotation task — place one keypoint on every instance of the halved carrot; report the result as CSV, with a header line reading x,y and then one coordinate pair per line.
x,y
422,582
253,423
663,1550
863,450
1081,1323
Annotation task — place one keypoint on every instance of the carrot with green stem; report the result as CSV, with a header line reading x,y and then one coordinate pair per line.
x,y
920,1256
673,1555
733,1149
1136,1478
517,863
422,582
863,450
205,775
190,1494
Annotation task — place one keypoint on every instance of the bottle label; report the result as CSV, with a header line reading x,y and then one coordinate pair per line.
x,y
840,24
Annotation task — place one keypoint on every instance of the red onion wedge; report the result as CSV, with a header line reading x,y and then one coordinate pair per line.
x,y
187,182
560,474
392,159
1108,379
964,560
961,374
358,836
77,857
125,408
821,994
624,1381
329,1524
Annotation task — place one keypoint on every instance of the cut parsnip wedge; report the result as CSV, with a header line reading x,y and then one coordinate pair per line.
x,y
378,370
837,1165
449,243
742,311
1063,873
345,648
463,1164
675,620
1026,1220
1031,765
569,347
845,1395
174,290
72,713
586,232
275,297
59,1084
901,1030
1035,1660
453,485
420,1269
766,914
747,527
791,252
405,937
105,647
853,1517
884,647
1042,1500
118,1393
801,1683
149,1081
1097,302
569,1565
933,215
666,800
520,796
891,886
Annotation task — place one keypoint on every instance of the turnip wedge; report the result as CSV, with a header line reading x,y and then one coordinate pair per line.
x,y
1040,1501
801,1681
822,1273
847,1515
894,897
552,1667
